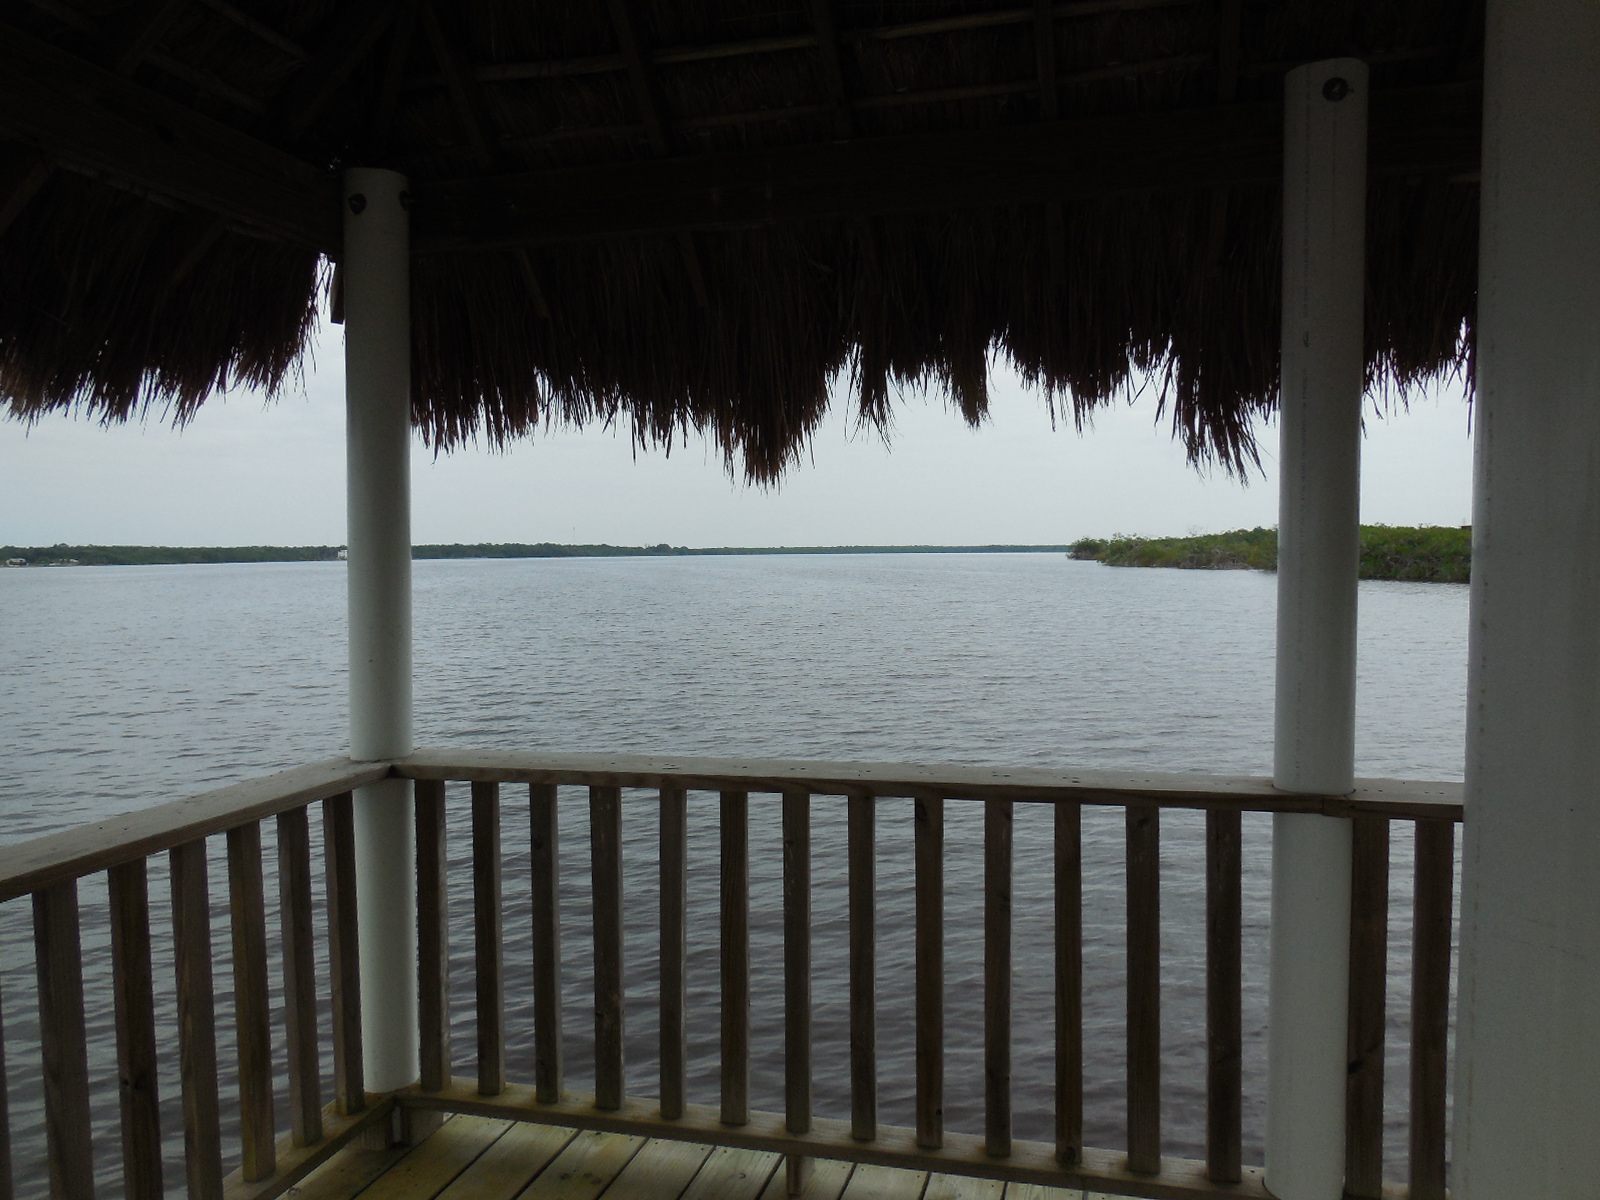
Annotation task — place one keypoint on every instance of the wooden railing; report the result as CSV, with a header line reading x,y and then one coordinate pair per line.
x,y
1140,1168
272,1158
49,869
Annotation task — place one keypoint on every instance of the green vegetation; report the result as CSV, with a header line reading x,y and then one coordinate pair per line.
x,y
553,550
1428,553
62,555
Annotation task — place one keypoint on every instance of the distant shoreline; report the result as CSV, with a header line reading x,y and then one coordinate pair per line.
x,y
150,556
1410,553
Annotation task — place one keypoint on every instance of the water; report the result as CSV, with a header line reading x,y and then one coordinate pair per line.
x,y
130,686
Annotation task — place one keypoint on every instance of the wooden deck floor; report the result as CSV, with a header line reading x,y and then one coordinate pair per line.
x,y
477,1158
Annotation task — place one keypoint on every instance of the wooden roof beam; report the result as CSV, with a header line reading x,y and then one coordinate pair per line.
x,y
463,95
1229,20
381,127
1418,131
131,42
827,28
128,44
1055,225
1044,41
652,108
1228,47
20,181
653,111
475,120
91,120
348,39
259,29
600,64
202,80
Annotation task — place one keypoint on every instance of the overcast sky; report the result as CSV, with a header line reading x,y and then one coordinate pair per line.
x,y
247,472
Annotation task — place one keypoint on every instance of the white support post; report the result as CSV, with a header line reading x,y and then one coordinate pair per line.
x,y
1527,1086
1324,220
377,331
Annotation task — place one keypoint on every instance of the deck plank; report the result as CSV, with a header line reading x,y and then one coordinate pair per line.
x,y
483,1158
585,1168
508,1164
826,1182
437,1162
348,1173
734,1175
660,1171
962,1187
870,1182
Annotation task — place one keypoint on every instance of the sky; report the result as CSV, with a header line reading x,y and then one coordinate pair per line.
x,y
251,472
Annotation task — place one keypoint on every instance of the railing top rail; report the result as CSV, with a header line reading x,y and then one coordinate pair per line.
x,y
73,853
1395,798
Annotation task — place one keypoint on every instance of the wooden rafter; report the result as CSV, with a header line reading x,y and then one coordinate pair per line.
x,y
475,121
796,112
20,181
1427,130
66,15
132,41
1044,42
260,29
88,119
201,80
653,111
822,18
1229,20
348,40
1229,15
1055,225
463,93
205,81
199,243
600,64
1469,46
652,108
383,111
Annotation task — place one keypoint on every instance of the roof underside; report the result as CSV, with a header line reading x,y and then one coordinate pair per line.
x,y
695,214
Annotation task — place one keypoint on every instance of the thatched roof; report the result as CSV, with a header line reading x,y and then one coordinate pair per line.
x,y
694,214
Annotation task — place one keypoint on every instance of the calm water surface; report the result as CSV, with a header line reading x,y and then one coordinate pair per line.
x,y
127,686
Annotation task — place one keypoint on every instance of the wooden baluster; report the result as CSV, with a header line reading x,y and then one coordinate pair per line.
x,y
796,978
197,1033
674,948
344,952
1430,1004
299,977
545,873
735,836
1224,1001
7,1188
59,962
252,1004
433,937
997,873
1369,963
797,961
1069,980
929,940
863,856
1144,988
605,848
487,939
132,983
